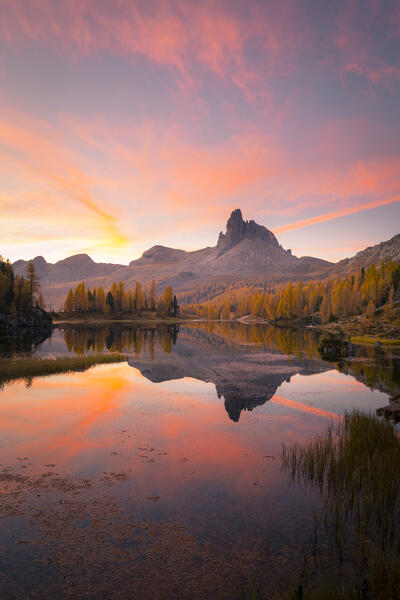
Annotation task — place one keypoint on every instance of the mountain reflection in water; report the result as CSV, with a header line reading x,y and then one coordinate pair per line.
x,y
245,373
246,362
134,480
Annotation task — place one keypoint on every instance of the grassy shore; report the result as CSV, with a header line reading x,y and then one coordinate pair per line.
x,y
359,339
145,317
28,368
356,468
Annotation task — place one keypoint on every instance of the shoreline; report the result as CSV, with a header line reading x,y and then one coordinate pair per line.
x,y
91,319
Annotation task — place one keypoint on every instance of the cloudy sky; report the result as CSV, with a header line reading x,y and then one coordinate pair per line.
x,y
124,124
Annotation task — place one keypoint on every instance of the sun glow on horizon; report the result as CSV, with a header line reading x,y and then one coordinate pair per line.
x,y
125,126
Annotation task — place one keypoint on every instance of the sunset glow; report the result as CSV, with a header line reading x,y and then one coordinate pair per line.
x,y
128,124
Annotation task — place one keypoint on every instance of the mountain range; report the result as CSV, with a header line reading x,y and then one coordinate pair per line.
x,y
245,252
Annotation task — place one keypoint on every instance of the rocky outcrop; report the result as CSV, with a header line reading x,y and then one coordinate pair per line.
x,y
237,229
159,254
372,254
392,410
71,269
334,349
246,251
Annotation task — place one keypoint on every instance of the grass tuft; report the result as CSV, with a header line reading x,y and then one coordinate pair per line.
x,y
356,468
359,339
28,368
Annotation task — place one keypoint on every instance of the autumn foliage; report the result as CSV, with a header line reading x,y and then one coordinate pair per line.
x,y
119,299
360,293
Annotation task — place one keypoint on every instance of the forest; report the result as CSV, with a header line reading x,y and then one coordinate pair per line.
x,y
119,299
18,294
360,293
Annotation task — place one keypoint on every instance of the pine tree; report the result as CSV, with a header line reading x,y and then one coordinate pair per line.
x,y
168,299
175,307
34,282
152,295
110,301
370,311
69,302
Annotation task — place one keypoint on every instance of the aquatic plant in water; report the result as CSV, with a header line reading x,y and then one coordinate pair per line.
x,y
356,468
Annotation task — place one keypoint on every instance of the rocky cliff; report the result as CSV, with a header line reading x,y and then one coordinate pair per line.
x,y
237,230
372,254
245,251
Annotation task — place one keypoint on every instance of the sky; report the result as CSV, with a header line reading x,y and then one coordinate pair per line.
x,y
127,123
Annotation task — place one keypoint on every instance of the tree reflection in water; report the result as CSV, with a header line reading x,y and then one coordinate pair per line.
x,y
121,339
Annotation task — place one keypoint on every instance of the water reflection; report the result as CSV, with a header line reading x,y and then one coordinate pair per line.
x,y
161,476
21,346
247,363
112,482
121,339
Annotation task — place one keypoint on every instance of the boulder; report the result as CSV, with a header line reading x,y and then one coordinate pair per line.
x,y
334,349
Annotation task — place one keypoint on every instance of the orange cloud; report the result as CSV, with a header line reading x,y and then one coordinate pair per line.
x,y
336,214
34,157
185,179
73,182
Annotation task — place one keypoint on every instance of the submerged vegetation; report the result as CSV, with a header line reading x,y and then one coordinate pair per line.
x,y
28,368
356,468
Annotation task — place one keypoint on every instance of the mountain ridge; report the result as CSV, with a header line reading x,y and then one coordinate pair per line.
x,y
246,251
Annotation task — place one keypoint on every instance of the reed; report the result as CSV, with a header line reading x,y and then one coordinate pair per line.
x,y
28,368
356,468
359,339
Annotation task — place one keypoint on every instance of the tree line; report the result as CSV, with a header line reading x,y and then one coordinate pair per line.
x,y
119,299
19,294
360,293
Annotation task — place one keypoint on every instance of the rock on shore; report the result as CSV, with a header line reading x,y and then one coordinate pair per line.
x,y
28,324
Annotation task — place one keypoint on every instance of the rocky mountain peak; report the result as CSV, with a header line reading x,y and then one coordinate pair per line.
x,y
237,229
77,259
39,260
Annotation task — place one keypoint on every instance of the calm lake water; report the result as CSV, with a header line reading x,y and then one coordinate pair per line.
x,y
160,477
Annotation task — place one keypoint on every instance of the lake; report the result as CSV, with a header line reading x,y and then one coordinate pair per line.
x,y
161,476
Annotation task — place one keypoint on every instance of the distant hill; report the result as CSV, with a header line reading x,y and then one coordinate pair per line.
x,y
372,254
245,252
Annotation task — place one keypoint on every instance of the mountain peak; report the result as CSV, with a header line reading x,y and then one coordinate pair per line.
x,y
237,229
39,260
75,259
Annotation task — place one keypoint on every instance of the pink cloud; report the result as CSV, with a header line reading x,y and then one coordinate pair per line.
x,y
102,179
178,34
203,179
356,51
